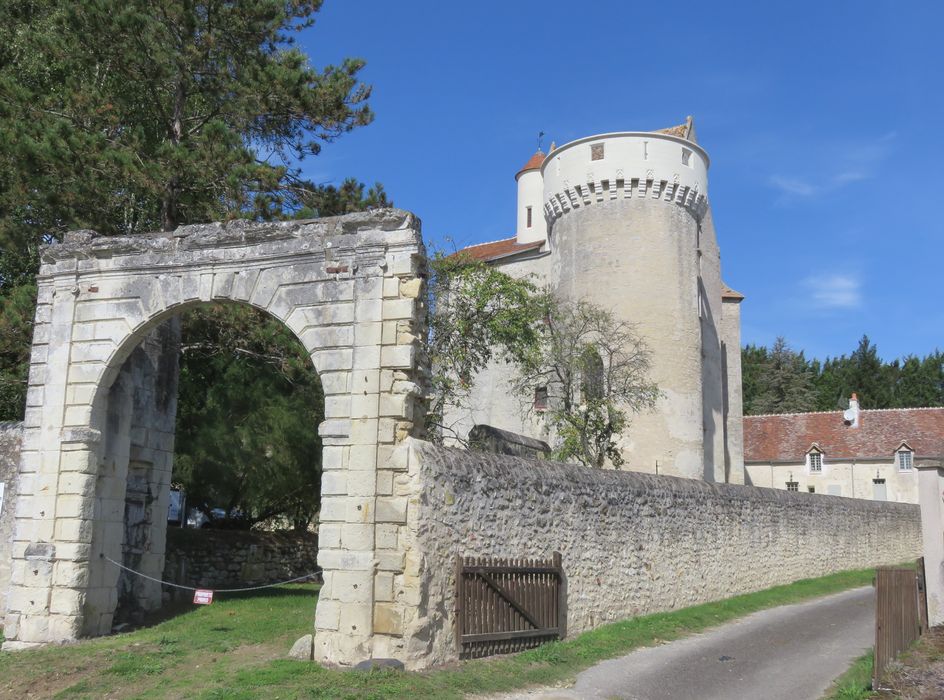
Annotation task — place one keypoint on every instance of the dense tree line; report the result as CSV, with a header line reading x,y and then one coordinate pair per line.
x,y
782,380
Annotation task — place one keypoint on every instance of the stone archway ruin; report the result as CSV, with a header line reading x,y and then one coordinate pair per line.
x,y
350,288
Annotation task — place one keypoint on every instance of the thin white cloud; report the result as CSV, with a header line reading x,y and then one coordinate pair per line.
x,y
835,291
793,186
856,162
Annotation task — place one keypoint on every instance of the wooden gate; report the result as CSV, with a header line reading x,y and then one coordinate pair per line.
x,y
506,605
900,613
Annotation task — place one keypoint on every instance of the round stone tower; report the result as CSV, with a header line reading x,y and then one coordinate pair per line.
x,y
628,228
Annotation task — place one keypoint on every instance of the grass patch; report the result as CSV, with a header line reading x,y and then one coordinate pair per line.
x,y
855,683
236,647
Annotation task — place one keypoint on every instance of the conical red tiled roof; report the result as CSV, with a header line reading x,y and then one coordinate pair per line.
x,y
534,162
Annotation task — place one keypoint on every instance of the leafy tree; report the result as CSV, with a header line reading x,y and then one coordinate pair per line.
x,y
785,382
595,368
477,314
126,117
132,116
248,410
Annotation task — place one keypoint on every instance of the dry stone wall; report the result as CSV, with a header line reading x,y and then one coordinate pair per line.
x,y
632,543
206,558
10,434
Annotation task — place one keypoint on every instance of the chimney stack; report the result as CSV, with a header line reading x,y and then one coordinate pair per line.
x,y
851,416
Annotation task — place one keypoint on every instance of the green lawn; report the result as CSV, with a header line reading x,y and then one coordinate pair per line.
x,y
236,647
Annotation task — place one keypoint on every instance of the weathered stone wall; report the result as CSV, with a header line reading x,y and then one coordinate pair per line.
x,y
632,543
10,434
207,558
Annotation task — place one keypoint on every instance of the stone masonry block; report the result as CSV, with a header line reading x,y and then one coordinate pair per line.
x,y
355,618
387,536
363,457
367,357
398,356
364,431
383,586
334,457
387,619
384,482
411,289
73,530
70,506
357,536
340,560
362,482
329,535
333,509
364,406
401,264
365,381
368,333
334,483
66,601
369,310
327,614
395,309
390,561
391,509
391,287
338,406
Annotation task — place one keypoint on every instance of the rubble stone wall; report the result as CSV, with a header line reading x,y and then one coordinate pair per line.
x,y
207,558
632,543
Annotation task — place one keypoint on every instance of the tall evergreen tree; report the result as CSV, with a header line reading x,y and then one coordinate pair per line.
x,y
786,382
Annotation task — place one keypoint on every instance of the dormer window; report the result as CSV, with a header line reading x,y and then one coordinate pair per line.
x,y
905,458
815,461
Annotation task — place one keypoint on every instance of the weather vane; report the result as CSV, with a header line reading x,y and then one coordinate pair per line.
x,y
540,139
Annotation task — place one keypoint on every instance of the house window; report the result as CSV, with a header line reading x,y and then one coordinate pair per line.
x,y
816,462
529,217
596,151
686,157
540,398
793,486
905,460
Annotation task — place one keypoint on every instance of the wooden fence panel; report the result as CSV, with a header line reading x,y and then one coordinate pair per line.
x,y
897,615
507,605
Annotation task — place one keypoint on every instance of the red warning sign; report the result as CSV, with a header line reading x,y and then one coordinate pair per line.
x,y
202,597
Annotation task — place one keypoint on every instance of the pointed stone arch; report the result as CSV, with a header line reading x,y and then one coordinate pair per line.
x,y
349,288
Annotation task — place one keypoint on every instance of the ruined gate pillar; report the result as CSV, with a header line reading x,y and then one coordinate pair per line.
x,y
350,288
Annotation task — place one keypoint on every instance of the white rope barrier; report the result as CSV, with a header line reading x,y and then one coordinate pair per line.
x,y
215,590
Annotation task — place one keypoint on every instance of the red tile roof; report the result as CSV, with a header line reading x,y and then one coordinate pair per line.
x,y
498,249
680,130
788,437
534,163
728,293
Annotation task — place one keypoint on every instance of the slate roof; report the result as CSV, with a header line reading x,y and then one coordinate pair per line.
x,y
788,437
499,249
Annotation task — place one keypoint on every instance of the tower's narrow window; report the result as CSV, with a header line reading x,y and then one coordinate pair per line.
x,y
529,217
596,151
686,157
645,150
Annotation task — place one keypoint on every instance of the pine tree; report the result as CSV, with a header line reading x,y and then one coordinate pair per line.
x,y
786,382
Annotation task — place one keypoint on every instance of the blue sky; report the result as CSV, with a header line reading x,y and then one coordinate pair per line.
x,y
823,121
